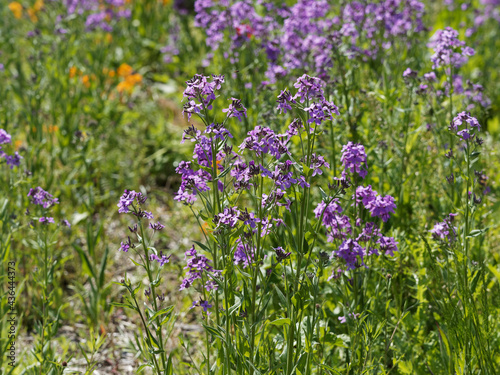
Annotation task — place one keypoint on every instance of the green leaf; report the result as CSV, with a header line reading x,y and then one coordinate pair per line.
x,y
281,321
475,233
86,265
170,368
104,261
213,331
166,310
203,246
129,306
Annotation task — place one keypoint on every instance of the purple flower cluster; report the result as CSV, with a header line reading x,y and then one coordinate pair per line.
x,y
464,124
369,240
238,20
263,140
46,220
200,93
244,253
304,37
445,230
161,258
98,13
41,197
378,206
11,160
128,198
338,225
236,109
449,51
197,265
354,159
4,137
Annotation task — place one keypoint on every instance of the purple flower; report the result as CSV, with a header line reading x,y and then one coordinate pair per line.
x,y
162,259
13,160
409,73
205,305
365,194
445,230
350,250
448,49
124,246
430,77
354,159
319,112
66,223
281,254
229,217
284,101
265,141
4,137
464,118
46,220
200,93
309,88
41,197
388,244
236,109
156,226
219,131
244,253
126,200
196,265
381,207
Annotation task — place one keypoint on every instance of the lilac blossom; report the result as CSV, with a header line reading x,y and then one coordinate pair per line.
x,y
285,101
464,124
128,198
196,265
354,159
13,160
41,197
350,251
4,137
243,254
46,220
236,109
381,207
200,93
161,258
156,226
445,230
449,51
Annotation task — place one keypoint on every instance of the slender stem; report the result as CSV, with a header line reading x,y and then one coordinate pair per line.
x,y
153,293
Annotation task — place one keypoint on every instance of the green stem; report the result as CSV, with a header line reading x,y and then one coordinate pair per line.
x,y
153,293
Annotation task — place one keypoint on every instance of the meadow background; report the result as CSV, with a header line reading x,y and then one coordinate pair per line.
x,y
91,94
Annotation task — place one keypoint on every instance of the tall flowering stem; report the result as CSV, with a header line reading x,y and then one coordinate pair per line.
x,y
465,129
154,318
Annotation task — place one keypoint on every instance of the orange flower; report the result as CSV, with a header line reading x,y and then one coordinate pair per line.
x,y
38,5
124,70
32,15
73,71
205,228
86,81
17,144
109,38
134,79
53,128
129,83
109,73
17,9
